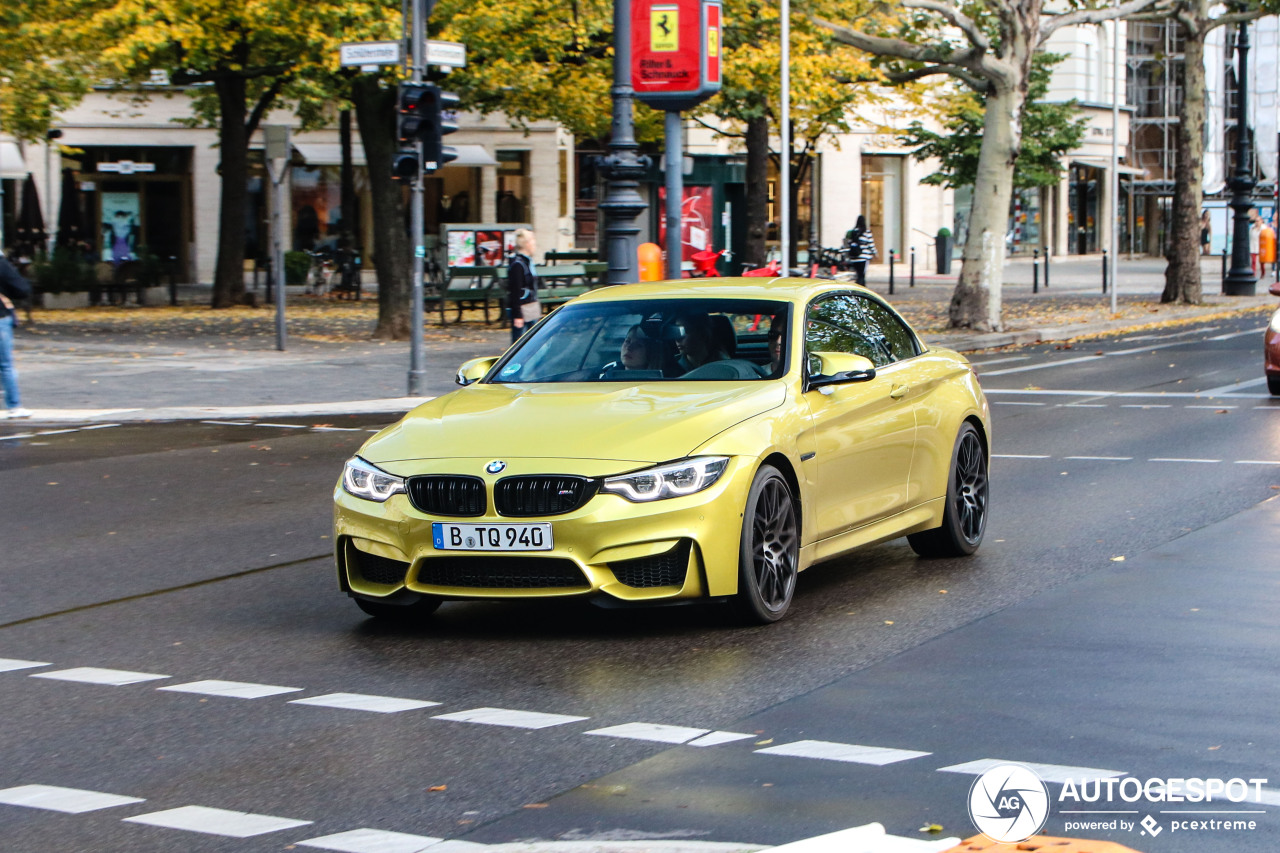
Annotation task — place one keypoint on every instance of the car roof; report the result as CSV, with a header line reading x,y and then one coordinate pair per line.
x,y
785,288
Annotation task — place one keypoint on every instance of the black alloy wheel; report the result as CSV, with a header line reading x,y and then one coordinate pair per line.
x,y
964,520
770,549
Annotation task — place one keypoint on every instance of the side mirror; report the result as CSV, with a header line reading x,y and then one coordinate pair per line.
x,y
835,368
475,369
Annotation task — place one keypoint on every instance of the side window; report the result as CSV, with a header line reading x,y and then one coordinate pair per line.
x,y
847,323
902,341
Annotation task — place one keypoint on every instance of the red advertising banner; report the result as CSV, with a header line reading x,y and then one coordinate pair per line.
x,y
695,220
671,43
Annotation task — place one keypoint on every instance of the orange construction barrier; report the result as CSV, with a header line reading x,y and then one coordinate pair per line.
x,y
650,257
1267,245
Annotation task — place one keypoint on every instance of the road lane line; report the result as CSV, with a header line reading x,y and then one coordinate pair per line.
x,y
229,824
1146,406
12,664
1106,395
1257,462
364,702
1235,386
1043,365
1211,407
717,738
66,800
1104,458
1048,772
505,717
1001,360
852,753
1015,403
231,689
651,731
373,841
95,675
1177,459
1231,335
1017,456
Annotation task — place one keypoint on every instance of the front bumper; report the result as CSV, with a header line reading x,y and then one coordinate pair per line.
x,y
678,548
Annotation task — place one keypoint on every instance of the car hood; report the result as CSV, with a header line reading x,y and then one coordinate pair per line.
x,y
634,423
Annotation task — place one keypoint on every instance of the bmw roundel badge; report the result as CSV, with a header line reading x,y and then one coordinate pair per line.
x,y
497,466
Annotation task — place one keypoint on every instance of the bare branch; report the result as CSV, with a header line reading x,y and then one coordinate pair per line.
x,y
719,130
954,17
978,84
1092,16
1234,18
881,46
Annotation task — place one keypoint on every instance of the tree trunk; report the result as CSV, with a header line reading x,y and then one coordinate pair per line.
x,y
975,303
757,199
233,140
1182,276
375,114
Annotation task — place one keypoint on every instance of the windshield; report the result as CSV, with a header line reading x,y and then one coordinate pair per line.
x,y
647,340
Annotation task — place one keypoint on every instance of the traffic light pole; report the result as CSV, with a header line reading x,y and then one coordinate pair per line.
x,y
417,357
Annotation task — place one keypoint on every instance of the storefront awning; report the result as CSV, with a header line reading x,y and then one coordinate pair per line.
x,y
330,154
12,165
1105,163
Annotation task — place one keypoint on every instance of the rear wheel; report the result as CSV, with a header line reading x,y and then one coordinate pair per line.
x,y
423,607
770,549
1273,385
964,521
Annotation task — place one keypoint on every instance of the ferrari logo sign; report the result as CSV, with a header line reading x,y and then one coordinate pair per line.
x,y
664,29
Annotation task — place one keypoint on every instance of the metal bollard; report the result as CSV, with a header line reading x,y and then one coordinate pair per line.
x,y
1224,267
912,280
1046,267
891,272
1035,270
1104,271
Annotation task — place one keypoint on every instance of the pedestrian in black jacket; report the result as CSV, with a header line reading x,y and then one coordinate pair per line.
x,y
13,289
863,244
522,285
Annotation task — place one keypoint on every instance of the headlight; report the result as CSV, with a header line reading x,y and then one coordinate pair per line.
x,y
1275,322
361,479
673,480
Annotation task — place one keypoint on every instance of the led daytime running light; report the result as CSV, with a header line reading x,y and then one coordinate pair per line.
x,y
673,480
363,480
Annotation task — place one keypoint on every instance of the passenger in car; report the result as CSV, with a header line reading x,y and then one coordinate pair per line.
x,y
639,351
698,343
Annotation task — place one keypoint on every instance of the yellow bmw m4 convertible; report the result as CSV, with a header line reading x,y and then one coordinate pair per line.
x,y
702,439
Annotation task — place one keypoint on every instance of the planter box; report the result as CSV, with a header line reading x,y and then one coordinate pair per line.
x,y
55,301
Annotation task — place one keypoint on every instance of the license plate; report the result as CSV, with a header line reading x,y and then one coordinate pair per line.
x,y
448,536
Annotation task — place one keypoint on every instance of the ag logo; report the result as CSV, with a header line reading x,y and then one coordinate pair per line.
x,y
1008,803
497,466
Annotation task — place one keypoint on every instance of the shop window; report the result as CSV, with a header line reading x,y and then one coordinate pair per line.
x,y
513,186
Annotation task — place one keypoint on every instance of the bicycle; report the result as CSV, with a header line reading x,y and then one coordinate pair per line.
x,y
320,276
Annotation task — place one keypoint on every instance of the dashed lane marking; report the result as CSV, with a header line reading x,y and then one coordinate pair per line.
x,y
1176,459
94,675
1017,456
1108,395
1042,366
66,800
849,752
1016,403
1059,773
1146,405
11,664
1104,458
372,841
652,732
363,702
223,822
1258,462
231,689
1000,360
505,717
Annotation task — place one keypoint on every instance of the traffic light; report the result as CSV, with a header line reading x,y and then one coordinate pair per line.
x,y
440,107
414,105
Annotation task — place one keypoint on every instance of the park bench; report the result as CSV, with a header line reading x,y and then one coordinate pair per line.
x,y
555,256
470,287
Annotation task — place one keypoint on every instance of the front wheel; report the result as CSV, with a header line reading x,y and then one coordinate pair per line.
x,y
964,521
770,549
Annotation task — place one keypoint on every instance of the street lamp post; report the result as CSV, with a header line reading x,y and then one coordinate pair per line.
x,y
1240,279
622,167
50,226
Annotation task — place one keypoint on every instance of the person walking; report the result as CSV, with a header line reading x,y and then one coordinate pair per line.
x,y
13,288
1206,233
862,244
1255,238
522,285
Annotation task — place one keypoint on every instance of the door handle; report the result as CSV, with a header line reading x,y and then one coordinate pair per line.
x,y
899,391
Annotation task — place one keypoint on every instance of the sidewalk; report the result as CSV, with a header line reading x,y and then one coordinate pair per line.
x,y
190,362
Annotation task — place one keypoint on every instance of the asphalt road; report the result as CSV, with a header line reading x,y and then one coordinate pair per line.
x,y
199,551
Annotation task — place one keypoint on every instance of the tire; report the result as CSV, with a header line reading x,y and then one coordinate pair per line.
x,y
770,550
403,613
964,521
1273,385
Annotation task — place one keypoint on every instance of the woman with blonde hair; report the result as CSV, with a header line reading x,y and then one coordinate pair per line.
x,y
522,285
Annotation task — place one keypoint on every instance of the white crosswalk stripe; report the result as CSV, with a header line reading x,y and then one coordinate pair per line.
x,y
231,689
506,717
850,752
231,824
362,702
11,664
66,800
94,675
651,731
1048,772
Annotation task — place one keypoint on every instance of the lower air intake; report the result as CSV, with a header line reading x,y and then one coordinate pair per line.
x,y
666,569
492,572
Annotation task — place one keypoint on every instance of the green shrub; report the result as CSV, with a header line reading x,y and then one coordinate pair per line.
x,y
65,272
296,267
